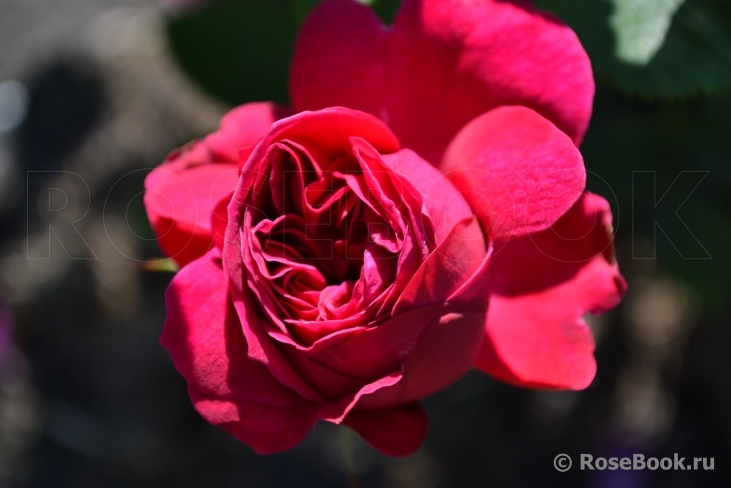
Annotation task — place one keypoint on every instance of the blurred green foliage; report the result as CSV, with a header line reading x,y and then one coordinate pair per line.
x,y
238,50
629,45
679,141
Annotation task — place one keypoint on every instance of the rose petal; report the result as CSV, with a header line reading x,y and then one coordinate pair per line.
x,y
332,384
543,284
450,266
333,132
182,193
267,429
438,358
203,336
443,202
375,352
516,169
328,131
179,203
397,431
262,350
242,128
443,63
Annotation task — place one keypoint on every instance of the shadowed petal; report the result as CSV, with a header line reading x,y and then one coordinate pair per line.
x,y
543,284
397,431
203,336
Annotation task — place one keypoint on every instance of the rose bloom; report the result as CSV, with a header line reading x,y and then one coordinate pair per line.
x,y
420,210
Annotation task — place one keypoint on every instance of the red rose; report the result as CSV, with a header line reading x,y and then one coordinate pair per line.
x,y
335,276
349,285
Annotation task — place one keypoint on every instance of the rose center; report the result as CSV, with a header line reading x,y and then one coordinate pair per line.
x,y
318,242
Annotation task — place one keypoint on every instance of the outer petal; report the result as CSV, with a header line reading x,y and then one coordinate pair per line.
x,y
543,285
397,431
458,258
242,128
328,131
203,335
238,394
182,193
516,169
180,200
439,357
468,57
443,202
431,346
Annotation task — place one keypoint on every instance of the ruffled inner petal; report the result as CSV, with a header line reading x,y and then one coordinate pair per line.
x,y
330,243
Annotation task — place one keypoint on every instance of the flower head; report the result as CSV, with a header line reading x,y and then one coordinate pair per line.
x,y
340,267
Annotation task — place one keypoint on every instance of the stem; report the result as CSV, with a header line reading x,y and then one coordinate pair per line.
x,y
164,265
347,437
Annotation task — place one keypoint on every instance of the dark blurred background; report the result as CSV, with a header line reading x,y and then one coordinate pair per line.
x,y
94,93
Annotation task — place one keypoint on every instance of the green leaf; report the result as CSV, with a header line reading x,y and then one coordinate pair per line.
x,y
654,48
386,9
640,28
239,50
